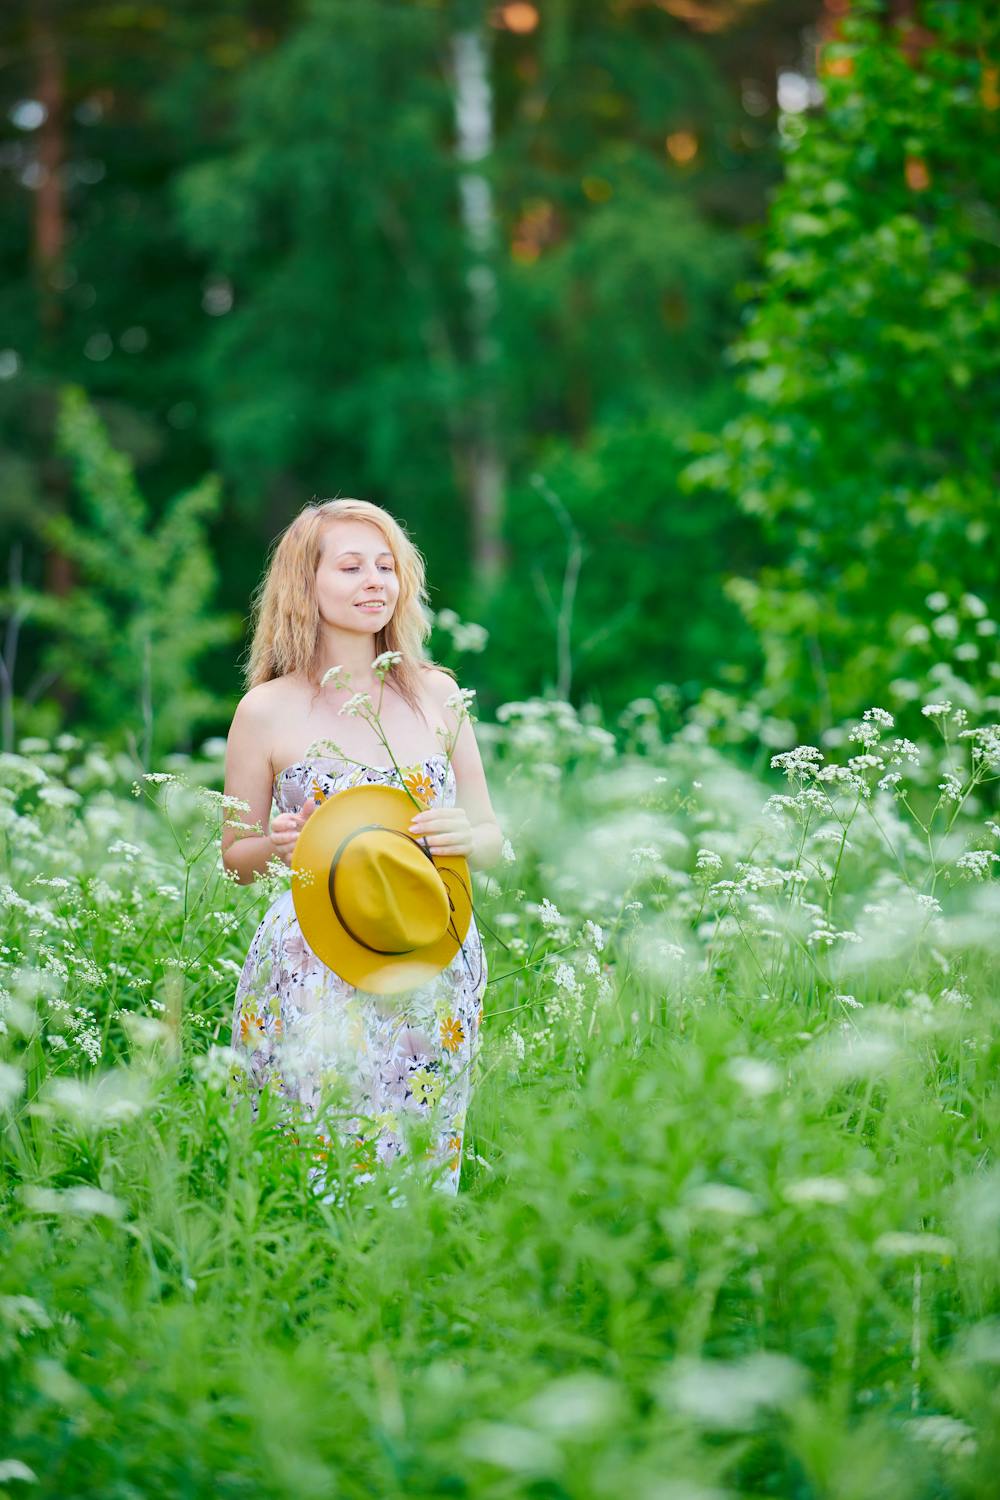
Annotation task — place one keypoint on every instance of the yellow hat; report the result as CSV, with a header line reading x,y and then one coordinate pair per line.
x,y
372,903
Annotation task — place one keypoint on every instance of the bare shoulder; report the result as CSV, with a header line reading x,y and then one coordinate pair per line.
x,y
259,704
439,683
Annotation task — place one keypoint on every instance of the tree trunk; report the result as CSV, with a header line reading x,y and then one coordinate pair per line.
x,y
50,219
483,461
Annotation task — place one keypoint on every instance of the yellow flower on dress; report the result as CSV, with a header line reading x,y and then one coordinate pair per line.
x,y
418,785
318,793
251,1028
455,1145
452,1035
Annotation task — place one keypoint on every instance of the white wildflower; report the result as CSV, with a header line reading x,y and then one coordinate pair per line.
x,y
802,761
213,1067
384,663
951,787
565,978
591,964
936,710
223,800
595,934
899,1245
973,605
830,1190
849,1002
11,1084
866,762
548,914
879,716
13,1468
507,852
158,778
721,1198
358,703
949,1435
755,1077
55,795
937,601
730,1395
129,852
903,750
460,701
338,676
986,743
83,1200
673,952
707,859
977,862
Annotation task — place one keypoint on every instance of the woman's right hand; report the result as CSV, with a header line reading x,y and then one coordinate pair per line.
x,y
286,827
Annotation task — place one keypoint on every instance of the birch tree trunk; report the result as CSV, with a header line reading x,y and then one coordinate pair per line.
x,y
483,460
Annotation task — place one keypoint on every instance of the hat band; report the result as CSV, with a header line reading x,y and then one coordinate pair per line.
x,y
378,828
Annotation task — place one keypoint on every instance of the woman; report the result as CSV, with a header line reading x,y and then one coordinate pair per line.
x,y
345,585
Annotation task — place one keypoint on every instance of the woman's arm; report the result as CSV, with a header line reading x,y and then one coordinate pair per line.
x,y
248,777
470,827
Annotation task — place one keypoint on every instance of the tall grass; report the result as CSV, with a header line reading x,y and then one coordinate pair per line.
x,y
729,1212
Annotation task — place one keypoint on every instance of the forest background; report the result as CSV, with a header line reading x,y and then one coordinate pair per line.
x,y
668,329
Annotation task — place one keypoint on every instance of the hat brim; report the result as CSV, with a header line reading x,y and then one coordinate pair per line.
x,y
320,838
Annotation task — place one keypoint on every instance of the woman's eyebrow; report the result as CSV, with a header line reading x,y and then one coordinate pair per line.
x,y
386,553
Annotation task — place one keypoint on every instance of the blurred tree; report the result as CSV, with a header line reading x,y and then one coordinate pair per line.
x,y
869,445
97,286
127,638
269,264
617,582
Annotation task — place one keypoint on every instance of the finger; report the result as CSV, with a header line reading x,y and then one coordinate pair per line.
x,y
309,806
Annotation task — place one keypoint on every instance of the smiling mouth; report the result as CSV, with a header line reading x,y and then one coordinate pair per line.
x,y
371,604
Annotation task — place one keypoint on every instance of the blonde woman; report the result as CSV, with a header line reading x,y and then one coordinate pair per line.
x,y
344,586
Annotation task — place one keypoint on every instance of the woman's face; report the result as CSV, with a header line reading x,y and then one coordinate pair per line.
x,y
356,582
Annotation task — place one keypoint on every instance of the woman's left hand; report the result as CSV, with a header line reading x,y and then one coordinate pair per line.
x,y
446,830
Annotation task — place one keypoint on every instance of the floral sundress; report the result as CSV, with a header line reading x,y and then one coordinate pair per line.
x,y
367,1067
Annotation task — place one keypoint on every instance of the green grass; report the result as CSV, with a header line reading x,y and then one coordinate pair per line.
x,y
729,1212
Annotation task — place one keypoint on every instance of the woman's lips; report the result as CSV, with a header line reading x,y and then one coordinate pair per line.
x,y
371,605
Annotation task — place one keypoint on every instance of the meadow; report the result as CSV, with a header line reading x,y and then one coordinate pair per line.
x,y
729,1210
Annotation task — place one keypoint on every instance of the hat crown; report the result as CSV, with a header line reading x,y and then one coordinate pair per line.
x,y
388,893
369,938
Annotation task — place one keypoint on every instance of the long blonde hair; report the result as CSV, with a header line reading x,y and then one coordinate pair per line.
x,y
285,612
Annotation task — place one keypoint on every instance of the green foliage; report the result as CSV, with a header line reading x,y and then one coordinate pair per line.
x,y
129,634
869,445
617,576
729,1206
